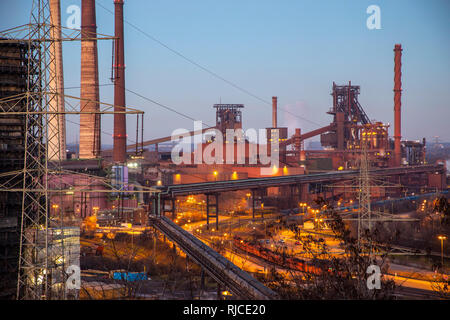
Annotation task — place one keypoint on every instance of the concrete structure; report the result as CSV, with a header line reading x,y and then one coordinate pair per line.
x,y
57,123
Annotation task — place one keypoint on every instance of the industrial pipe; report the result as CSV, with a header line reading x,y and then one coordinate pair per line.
x,y
120,132
57,122
397,103
274,112
89,92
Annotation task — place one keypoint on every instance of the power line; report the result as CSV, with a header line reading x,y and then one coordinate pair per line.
x,y
78,87
206,69
165,107
104,132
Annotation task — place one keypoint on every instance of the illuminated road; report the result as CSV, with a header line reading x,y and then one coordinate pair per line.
x,y
408,283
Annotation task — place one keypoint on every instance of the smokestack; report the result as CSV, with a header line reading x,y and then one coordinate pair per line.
x,y
57,123
89,93
120,135
397,103
274,112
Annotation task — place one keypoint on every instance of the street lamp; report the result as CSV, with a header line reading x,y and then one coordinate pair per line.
x,y
303,206
442,238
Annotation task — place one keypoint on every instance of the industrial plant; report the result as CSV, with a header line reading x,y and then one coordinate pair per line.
x,y
215,212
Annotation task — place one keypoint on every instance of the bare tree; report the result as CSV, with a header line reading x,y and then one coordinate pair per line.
x,y
335,277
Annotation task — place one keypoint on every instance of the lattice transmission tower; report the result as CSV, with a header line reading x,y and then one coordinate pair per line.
x,y
37,174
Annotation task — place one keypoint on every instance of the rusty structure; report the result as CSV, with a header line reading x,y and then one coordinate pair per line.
x,y
120,136
90,143
274,112
397,103
35,191
228,116
347,112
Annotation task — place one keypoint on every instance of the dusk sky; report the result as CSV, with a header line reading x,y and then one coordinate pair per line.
x,y
291,49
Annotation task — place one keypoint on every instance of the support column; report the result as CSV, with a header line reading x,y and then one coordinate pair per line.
x,y
174,215
291,197
340,118
202,280
304,192
253,203
254,197
219,295
210,205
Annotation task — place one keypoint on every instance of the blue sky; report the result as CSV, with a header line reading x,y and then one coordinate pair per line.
x,y
292,49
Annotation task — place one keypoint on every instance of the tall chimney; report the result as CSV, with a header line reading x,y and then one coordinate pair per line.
x,y
89,93
397,103
274,112
57,122
120,135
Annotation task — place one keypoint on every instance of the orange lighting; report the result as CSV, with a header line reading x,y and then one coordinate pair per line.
x,y
274,169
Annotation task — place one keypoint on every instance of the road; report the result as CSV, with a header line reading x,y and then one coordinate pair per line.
x,y
409,282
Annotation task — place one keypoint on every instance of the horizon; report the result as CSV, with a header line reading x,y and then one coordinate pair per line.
x,y
291,50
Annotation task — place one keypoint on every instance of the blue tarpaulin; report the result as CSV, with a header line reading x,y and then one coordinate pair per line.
x,y
130,276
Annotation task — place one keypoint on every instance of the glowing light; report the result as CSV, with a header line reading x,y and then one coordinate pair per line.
x,y
159,183
274,169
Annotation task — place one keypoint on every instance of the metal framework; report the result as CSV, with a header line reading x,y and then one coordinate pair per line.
x,y
41,270
345,100
363,185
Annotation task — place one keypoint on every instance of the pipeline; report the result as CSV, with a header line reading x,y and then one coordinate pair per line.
x,y
219,268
